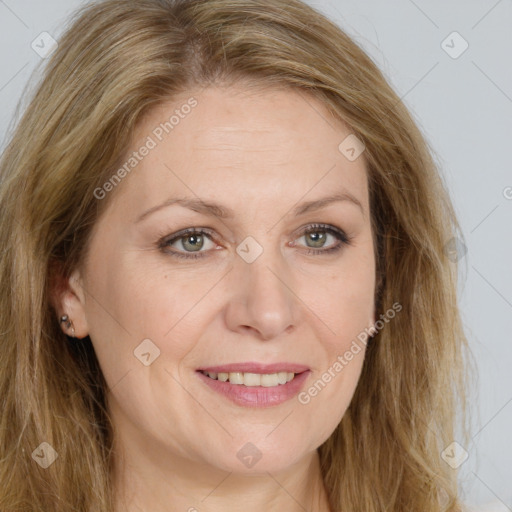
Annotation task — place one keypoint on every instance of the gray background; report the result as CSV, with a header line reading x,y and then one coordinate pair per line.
x,y
464,107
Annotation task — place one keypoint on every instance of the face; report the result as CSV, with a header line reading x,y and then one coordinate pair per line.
x,y
271,282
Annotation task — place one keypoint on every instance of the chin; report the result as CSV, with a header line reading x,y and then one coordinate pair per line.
x,y
251,460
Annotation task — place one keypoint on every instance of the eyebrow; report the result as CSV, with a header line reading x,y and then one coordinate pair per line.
x,y
223,212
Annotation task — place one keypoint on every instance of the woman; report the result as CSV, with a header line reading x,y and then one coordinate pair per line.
x,y
224,277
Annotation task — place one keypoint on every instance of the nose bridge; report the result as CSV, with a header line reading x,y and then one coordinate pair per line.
x,y
262,299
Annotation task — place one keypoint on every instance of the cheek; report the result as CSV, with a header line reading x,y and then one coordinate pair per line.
x,y
344,300
132,305
344,308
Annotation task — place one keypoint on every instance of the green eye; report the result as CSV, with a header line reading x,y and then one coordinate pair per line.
x,y
192,240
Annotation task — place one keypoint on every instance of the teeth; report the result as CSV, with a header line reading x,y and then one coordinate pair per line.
x,y
266,380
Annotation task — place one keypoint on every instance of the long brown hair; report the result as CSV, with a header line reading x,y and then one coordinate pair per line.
x,y
117,60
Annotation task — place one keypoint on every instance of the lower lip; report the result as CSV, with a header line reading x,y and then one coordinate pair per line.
x,y
257,396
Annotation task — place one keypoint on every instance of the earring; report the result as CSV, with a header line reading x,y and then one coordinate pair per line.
x,y
69,323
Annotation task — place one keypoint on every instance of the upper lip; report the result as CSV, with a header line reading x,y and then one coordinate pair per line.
x,y
250,367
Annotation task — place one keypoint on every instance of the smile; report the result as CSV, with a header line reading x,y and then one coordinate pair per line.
x,y
266,380
248,389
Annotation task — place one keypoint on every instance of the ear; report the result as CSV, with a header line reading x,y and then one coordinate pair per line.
x,y
68,298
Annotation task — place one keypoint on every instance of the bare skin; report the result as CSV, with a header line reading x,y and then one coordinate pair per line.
x,y
259,153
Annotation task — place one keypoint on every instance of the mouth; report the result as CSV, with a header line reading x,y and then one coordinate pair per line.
x,y
255,384
249,379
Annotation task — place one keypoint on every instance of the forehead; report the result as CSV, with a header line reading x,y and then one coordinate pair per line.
x,y
227,140
262,119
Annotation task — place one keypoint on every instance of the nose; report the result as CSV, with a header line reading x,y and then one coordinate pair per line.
x,y
263,301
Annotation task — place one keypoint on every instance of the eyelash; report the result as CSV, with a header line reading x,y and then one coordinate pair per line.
x,y
342,237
